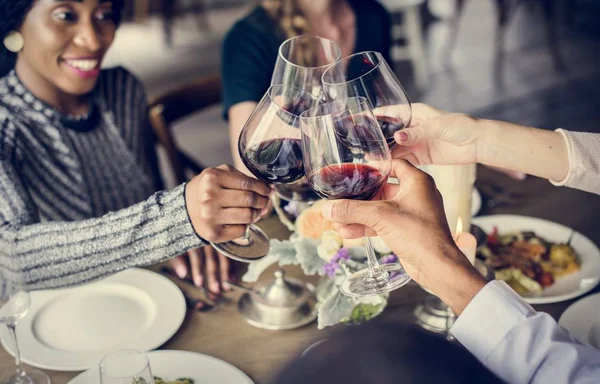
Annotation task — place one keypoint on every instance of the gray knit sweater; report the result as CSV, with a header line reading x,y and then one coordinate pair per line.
x,y
79,201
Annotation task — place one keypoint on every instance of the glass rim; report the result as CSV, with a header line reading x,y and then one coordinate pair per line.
x,y
123,351
360,100
320,38
348,58
271,97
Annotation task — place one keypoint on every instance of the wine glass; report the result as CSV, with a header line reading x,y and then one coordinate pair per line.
x,y
302,60
127,366
269,146
300,63
346,157
367,74
14,304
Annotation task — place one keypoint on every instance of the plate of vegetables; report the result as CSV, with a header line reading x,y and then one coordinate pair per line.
x,y
544,262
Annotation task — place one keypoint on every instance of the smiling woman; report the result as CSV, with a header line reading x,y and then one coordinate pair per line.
x,y
80,190
62,46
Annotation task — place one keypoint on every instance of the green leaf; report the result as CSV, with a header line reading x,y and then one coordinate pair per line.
x,y
334,309
306,253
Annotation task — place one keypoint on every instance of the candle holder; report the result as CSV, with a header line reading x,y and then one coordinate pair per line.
x,y
435,316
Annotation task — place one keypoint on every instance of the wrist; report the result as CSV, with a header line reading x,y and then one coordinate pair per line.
x,y
453,279
485,135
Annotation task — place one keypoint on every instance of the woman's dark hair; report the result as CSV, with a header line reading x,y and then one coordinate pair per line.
x,y
12,14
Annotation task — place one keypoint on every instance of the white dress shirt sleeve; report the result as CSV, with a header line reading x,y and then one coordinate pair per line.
x,y
521,345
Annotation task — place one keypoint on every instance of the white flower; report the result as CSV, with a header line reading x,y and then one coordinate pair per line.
x,y
380,246
331,242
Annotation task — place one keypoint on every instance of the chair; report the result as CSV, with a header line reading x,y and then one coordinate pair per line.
x,y
174,105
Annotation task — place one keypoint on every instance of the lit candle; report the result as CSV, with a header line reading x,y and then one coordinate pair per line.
x,y
465,242
455,183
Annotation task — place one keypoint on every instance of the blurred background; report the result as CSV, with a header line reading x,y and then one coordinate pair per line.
x,y
532,62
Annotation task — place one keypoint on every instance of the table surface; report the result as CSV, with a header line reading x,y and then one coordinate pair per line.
x,y
260,353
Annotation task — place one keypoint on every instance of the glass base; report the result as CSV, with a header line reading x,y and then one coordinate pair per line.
x,y
31,376
361,283
435,316
255,247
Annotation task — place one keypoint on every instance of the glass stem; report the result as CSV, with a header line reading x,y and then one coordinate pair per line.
x,y
371,258
13,334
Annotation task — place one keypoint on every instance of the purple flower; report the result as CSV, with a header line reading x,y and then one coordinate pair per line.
x,y
389,259
334,264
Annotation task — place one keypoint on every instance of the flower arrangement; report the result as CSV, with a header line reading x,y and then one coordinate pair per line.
x,y
319,250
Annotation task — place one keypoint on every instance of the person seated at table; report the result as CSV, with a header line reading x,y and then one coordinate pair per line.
x,y
80,191
384,352
566,158
494,323
251,47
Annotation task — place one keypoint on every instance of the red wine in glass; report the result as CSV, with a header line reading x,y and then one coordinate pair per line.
x,y
275,160
347,181
389,126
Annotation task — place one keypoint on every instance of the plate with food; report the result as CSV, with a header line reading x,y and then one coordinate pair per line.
x,y
544,262
181,367
72,329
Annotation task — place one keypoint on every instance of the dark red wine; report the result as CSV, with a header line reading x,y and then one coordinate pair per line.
x,y
347,181
389,126
276,160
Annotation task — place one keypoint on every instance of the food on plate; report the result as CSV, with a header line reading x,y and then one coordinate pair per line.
x,y
527,262
182,380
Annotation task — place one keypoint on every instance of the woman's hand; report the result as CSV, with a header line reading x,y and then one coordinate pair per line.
x,y
207,268
410,219
222,201
437,137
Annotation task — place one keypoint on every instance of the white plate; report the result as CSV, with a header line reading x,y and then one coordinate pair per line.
x,y
476,202
564,288
171,365
582,319
72,329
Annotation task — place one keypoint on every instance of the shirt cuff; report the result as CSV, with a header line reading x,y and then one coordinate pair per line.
x,y
569,145
492,313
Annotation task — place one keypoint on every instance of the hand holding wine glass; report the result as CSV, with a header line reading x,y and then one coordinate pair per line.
x,y
346,157
410,219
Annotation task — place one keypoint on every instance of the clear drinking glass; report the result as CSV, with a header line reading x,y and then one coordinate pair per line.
x,y
346,157
14,304
368,75
126,367
300,63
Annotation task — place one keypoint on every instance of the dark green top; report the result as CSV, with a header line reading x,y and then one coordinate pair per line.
x,y
251,46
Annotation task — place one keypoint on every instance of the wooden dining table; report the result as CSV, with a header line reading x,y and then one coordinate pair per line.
x,y
224,334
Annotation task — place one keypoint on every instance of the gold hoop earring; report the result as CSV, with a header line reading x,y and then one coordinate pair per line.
x,y
14,42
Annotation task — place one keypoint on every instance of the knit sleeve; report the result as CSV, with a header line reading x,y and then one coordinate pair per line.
x,y
57,254
584,161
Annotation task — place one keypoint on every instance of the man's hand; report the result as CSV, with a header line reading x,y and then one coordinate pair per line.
x,y
410,219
